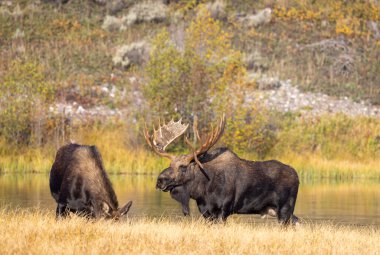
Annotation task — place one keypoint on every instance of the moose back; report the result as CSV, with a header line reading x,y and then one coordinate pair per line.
x,y
79,183
220,182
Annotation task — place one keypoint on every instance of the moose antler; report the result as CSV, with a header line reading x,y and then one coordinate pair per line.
x,y
164,135
211,140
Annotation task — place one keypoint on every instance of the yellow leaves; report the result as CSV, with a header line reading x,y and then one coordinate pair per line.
x,y
66,25
248,130
202,73
296,14
206,33
348,27
350,16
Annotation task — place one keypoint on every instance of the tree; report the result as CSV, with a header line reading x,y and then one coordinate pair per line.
x,y
194,80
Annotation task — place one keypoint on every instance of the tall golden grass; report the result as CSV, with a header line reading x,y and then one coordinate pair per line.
x,y
121,155
24,232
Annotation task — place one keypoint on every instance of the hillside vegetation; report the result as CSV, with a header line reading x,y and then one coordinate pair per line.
x,y
145,61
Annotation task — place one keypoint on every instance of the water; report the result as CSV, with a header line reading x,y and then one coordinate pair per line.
x,y
356,203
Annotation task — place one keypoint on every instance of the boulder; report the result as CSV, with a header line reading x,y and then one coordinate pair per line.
x,y
147,12
136,53
217,9
112,23
255,61
262,17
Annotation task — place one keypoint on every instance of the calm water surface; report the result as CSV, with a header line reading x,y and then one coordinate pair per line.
x,y
356,203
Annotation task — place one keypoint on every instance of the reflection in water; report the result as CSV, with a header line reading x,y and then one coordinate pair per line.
x,y
346,203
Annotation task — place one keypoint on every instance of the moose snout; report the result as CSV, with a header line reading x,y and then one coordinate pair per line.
x,y
164,184
159,183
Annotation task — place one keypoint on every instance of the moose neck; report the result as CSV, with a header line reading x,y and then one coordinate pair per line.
x,y
198,182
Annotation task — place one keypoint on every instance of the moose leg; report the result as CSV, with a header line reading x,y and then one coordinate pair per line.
x,y
294,220
61,211
286,212
284,215
206,214
211,217
227,208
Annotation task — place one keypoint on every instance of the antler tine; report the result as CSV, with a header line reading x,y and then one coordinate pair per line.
x,y
213,137
195,128
220,130
167,133
147,136
194,153
211,140
150,142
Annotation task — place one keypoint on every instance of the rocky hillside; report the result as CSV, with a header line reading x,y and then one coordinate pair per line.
x,y
129,59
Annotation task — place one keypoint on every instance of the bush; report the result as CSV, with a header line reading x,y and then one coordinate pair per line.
x,y
206,78
192,79
24,98
330,136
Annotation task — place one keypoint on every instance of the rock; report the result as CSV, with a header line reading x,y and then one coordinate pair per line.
x,y
112,23
375,29
217,9
100,2
142,12
116,6
263,81
135,53
262,17
6,3
255,61
147,12
167,2
80,110
282,96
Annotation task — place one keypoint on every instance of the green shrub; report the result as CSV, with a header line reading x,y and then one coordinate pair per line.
x,y
24,97
195,79
333,137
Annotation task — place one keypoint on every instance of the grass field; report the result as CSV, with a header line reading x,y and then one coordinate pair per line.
x,y
35,232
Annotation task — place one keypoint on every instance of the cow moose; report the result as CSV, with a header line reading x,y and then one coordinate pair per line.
x,y
220,182
79,184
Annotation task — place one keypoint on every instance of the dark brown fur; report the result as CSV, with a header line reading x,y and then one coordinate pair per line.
x,y
79,183
231,185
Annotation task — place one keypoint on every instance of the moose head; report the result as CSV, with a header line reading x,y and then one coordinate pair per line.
x,y
115,214
178,172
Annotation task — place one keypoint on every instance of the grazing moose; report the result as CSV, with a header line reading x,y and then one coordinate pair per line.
x,y
220,182
79,183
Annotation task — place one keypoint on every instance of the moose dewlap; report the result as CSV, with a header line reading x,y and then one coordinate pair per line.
x,y
79,184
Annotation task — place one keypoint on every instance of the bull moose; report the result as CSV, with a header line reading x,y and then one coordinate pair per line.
x,y
79,183
220,182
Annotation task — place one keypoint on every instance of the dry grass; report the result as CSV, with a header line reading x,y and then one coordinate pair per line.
x,y
38,233
126,152
312,166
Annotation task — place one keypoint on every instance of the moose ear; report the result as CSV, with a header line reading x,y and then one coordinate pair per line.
x,y
124,210
106,208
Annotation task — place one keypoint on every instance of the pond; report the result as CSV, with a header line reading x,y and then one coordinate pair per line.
x,y
354,203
